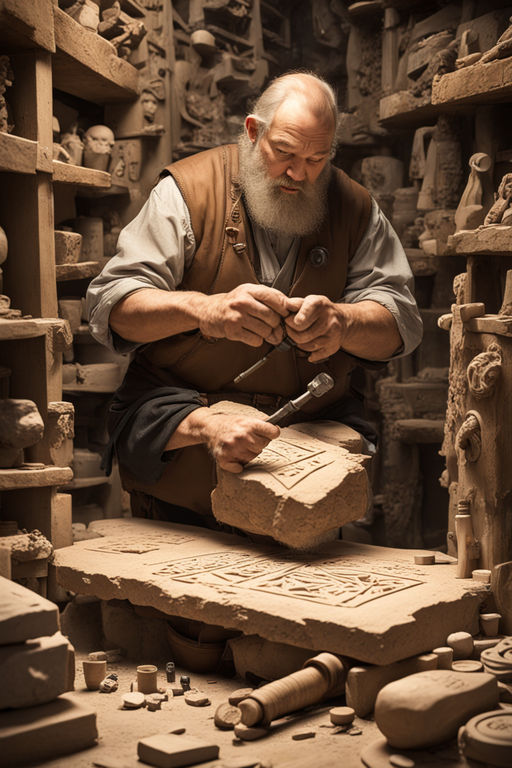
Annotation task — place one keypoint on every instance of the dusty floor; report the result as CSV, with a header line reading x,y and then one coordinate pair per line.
x,y
119,730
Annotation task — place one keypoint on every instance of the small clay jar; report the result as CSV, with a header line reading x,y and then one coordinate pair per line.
x,y
147,678
94,672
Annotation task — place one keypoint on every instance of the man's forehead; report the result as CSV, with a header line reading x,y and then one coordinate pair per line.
x,y
296,123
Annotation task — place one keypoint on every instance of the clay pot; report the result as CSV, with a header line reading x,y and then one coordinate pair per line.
x,y
94,672
147,678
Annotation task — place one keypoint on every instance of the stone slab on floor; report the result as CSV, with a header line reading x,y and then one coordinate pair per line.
x,y
33,672
370,603
24,614
60,727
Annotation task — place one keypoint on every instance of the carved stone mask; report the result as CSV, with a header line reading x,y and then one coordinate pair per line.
x,y
149,105
99,139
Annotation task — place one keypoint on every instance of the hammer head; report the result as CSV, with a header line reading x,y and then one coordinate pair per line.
x,y
320,384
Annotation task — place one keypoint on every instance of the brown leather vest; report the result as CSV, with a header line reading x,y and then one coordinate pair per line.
x,y
226,257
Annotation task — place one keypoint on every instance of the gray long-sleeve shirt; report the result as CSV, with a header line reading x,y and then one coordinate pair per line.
x,y
158,245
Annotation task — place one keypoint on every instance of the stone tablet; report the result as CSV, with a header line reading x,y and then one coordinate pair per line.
x,y
370,603
24,614
167,750
296,490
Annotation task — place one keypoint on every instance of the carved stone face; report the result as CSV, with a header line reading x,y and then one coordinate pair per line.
x,y
149,105
99,139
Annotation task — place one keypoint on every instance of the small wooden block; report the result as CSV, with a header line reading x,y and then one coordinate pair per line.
x,y
250,733
133,700
239,695
303,735
227,716
197,699
427,558
467,665
482,575
167,750
341,715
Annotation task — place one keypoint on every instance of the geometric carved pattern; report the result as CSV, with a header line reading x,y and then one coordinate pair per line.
x,y
328,582
137,545
290,462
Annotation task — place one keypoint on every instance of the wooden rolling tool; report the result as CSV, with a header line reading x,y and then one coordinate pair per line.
x,y
323,675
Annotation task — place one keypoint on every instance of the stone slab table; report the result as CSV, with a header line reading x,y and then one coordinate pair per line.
x,y
369,603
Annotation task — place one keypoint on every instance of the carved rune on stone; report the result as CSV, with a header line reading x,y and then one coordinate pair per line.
x,y
329,582
137,545
483,371
469,437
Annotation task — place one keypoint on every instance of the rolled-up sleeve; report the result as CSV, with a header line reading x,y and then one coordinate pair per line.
x,y
152,252
379,271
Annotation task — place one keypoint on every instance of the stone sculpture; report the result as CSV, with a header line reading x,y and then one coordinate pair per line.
x,y
59,152
502,49
85,12
98,144
501,206
118,27
382,175
73,145
6,80
470,212
20,426
443,169
483,371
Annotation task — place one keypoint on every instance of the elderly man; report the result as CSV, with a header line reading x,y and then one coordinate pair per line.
x,y
236,249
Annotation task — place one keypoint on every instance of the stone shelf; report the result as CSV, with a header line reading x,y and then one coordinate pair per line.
x,y
13,479
17,155
85,482
492,240
65,173
28,328
26,24
402,109
86,65
478,84
414,431
79,271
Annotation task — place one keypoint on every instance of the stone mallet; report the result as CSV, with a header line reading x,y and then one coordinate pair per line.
x,y
316,388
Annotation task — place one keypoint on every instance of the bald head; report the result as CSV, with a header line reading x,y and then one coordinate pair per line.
x,y
299,92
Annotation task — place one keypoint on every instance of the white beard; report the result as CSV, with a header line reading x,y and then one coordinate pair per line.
x,y
291,215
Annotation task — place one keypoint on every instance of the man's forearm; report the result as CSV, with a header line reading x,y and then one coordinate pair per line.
x,y
151,314
370,331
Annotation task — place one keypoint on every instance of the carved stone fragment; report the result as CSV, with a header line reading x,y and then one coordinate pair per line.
x,y
469,437
20,426
483,371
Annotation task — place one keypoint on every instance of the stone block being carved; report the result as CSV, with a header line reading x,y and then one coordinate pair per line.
x,y
298,490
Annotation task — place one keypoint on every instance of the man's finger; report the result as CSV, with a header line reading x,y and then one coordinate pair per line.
x,y
271,297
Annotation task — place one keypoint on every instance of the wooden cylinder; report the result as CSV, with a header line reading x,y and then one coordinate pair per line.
x,y
465,541
322,675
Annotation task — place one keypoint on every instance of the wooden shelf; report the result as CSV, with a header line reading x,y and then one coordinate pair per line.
x,y
478,84
65,173
220,32
78,271
26,24
16,479
86,65
501,325
16,154
402,109
28,328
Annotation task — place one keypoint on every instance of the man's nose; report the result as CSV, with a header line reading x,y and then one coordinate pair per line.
x,y
297,169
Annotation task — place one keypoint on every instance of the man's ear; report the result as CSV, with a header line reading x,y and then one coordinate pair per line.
x,y
252,126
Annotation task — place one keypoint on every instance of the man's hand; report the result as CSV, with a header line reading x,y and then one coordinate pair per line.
x,y
250,313
232,439
318,326
235,440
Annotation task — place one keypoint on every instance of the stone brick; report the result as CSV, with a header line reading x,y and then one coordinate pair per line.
x,y
33,672
40,733
24,614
